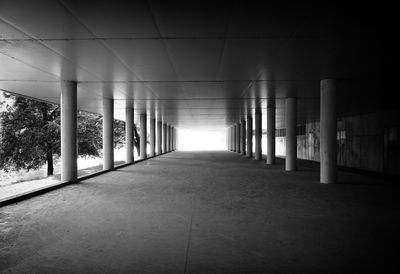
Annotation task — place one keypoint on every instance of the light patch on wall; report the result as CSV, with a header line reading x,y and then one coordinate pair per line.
x,y
196,140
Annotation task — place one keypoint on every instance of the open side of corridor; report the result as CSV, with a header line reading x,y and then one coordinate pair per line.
x,y
205,212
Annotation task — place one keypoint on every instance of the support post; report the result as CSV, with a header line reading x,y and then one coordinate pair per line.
x,y
164,133
271,132
249,136
159,137
108,134
238,137
143,136
243,137
152,137
168,138
234,138
69,149
172,138
228,146
129,135
258,135
291,133
175,136
328,124
176,139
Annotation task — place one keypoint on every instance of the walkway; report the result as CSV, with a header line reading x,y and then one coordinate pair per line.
x,y
205,212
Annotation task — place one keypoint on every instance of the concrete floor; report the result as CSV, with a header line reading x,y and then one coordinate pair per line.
x,y
205,212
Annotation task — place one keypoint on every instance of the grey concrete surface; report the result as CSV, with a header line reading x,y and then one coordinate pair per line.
x,y
205,212
69,151
108,134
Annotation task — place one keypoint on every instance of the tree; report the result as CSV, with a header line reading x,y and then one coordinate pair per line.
x,y
30,134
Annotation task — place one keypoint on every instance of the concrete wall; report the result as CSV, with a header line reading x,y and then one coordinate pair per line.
x,y
369,142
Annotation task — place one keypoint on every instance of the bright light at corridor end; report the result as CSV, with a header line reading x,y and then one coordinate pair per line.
x,y
201,139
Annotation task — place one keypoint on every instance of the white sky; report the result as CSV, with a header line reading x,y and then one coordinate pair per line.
x,y
201,139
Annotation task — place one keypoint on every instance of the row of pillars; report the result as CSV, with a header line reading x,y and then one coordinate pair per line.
x,y
165,140
240,138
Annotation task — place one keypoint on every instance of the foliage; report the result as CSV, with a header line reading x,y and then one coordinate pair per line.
x,y
89,134
30,134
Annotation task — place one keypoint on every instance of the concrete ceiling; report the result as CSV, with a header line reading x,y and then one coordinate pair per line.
x,y
195,63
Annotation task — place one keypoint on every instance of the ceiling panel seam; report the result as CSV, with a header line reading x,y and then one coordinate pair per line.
x,y
164,44
27,64
227,29
274,56
49,48
104,44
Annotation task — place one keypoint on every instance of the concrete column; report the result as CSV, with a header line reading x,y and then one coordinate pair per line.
x,y
164,137
69,148
271,133
258,135
129,135
243,138
328,172
249,136
159,138
152,137
234,138
108,134
228,138
175,138
291,133
172,138
238,137
143,136
168,137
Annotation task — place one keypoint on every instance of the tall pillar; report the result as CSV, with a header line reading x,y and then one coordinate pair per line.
x,y
164,137
168,137
108,134
171,138
328,172
271,133
234,138
228,146
159,137
129,135
231,138
258,135
176,139
143,136
238,137
152,137
249,136
291,133
243,137
69,149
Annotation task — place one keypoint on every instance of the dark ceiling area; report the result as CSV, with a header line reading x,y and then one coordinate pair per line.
x,y
200,63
